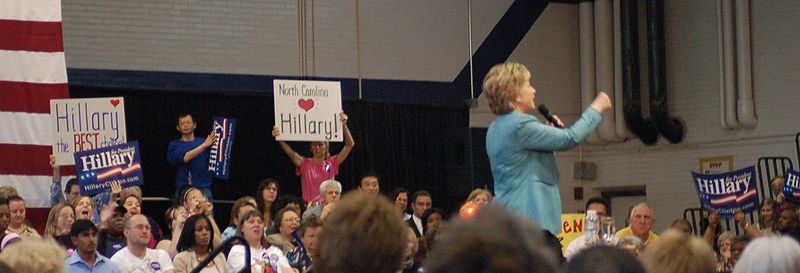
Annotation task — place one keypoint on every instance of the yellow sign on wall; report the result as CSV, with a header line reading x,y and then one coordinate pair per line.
x,y
571,228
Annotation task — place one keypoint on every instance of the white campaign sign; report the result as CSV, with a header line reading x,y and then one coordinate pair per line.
x,y
308,110
86,124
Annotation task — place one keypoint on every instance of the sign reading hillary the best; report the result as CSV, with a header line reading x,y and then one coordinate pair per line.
x,y
97,169
308,110
86,124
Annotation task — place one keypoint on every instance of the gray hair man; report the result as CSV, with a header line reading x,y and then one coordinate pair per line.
x,y
330,192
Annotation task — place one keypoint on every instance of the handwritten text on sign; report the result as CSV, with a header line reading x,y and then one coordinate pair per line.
x,y
308,110
571,228
97,168
86,124
726,192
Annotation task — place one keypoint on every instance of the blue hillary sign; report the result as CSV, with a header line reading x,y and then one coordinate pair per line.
x,y
727,192
219,158
98,168
791,187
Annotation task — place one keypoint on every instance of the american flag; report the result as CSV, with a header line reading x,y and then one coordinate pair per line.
x,y
32,71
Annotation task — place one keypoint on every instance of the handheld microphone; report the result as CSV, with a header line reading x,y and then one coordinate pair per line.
x,y
546,113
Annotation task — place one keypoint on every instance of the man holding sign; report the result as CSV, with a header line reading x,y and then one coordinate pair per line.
x,y
190,155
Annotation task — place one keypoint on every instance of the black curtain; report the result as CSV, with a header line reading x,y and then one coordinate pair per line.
x,y
411,146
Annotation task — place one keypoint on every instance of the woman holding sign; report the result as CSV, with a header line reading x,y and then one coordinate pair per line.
x,y
321,166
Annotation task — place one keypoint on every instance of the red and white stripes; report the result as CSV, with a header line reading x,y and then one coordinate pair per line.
x,y
32,71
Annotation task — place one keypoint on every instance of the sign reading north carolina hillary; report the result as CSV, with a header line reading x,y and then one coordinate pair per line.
x,y
97,168
726,192
308,110
791,189
86,124
219,159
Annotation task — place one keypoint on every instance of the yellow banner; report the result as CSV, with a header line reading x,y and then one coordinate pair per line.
x,y
571,228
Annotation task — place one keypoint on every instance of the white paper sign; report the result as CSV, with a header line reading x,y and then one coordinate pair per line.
x,y
86,124
308,110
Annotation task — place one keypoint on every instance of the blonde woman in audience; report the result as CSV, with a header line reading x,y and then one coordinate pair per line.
x,y
678,252
18,223
724,242
262,254
770,254
480,197
8,191
59,222
410,264
34,256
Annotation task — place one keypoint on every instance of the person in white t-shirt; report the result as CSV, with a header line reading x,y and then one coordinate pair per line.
x,y
136,257
262,254
597,204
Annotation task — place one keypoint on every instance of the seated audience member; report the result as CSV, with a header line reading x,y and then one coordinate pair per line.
x,y
632,244
5,216
59,222
781,203
420,201
641,221
370,183
724,254
770,254
175,215
286,220
400,198
681,225
8,191
788,224
738,245
410,263
494,240
330,190
112,238
18,223
678,252
600,206
194,245
196,202
131,199
604,259
240,203
376,224
86,259
34,255
136,257
262,254
301,257
434,223
291,201
267,202
480,197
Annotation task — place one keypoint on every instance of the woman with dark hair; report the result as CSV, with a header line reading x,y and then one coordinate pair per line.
x,y
321,166
194,246
267,200
230,231
433,224
400,198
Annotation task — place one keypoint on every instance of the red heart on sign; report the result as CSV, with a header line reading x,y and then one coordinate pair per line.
x,y
306,104
115,102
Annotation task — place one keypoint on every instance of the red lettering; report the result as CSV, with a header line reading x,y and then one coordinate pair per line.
x,y
83,140
566,227
578,224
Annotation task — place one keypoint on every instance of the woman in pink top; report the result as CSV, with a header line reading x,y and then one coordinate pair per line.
x,y
321,166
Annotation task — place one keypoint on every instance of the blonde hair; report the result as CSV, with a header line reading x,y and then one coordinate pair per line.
x,y
501,85
52,218
8,191
678,252
474,194
34,255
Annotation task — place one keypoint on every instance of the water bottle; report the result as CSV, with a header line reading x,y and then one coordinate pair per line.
x,y
592,227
